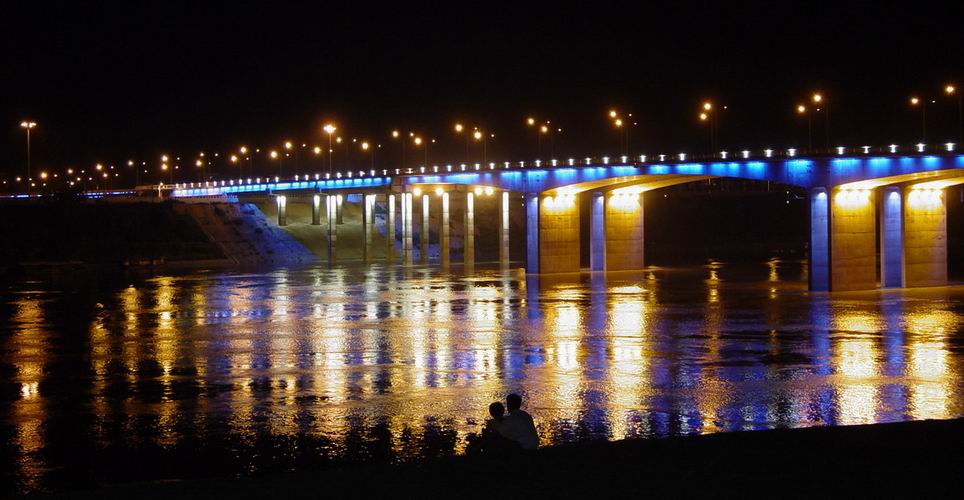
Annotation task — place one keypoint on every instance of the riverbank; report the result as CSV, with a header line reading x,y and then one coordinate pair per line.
x,y
923,457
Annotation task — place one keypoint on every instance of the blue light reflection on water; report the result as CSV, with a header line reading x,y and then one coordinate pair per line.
x,y
410,354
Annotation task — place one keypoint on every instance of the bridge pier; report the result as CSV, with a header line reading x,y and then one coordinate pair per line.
x,y
339,213
532,233
444,242
407,228
331,208
390,234
504,230
853,245
820,239
924,237
558,233
468,239
597,232
316,210
368,224
282,202
891,237
423,236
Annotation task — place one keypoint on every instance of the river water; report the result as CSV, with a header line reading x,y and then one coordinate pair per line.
x,y
108,378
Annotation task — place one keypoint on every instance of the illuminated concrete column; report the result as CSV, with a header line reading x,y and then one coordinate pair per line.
x,y
853,240
339,213
504,230
423,235
331,217
468,240
891,237
316,210
368,221
559,234
390,234
532,232
820,240
623,231
407,227
925,237
444,241
282,201
597,232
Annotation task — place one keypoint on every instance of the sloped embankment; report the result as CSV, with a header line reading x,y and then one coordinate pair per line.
x,y
244,234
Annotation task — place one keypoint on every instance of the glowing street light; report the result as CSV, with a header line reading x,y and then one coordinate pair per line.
x,y
802,110
28,126
819,100
951,90
329,129
914,102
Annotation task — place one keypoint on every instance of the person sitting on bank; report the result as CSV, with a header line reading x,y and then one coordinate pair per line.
x,y
490,441
518,426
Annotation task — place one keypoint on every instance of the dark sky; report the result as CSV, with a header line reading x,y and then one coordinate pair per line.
x,y
107,83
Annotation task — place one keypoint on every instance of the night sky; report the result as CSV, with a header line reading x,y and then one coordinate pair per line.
x,y
111,83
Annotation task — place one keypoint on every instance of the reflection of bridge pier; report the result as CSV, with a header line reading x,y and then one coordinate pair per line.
x,y
857,204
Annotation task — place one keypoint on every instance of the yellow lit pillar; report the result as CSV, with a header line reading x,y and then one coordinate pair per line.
x,y
468,241
331,208
624,231
559,234
282,201
444,241
424,233
853,240
925,237
390,227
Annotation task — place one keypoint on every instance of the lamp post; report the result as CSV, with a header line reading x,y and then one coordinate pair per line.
x,y
330,129
458,130
802,110
819,100
367,147
28,126
244,151
914,102
951,90
396,135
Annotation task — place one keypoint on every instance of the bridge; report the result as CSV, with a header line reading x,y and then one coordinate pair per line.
x,y
851,194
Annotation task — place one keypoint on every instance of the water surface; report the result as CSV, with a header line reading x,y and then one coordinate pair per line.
x,y
115,378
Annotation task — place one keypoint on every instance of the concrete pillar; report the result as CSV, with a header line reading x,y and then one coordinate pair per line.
x,y
853,240
368,221
407,227
316,210
390,233
282,201
468,241
559,234
504,230
624,231
423,235
597,232
532,232
925,237
819,240
891,237
339,213
331,207
444,242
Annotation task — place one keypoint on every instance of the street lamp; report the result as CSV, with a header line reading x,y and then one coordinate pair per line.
x,y
914,102
820,100
802,110
952,90
367,147
28,126
330,129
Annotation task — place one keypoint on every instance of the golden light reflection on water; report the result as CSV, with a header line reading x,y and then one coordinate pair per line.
x,y
414,355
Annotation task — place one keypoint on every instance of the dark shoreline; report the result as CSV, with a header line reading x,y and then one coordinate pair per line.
x,y
925,458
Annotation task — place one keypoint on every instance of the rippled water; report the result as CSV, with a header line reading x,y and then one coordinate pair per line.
x,y
114,378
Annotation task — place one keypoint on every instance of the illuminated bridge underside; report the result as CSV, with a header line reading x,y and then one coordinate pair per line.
x,y
850,198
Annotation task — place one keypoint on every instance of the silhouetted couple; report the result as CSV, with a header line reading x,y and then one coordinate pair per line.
x,y
503,433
